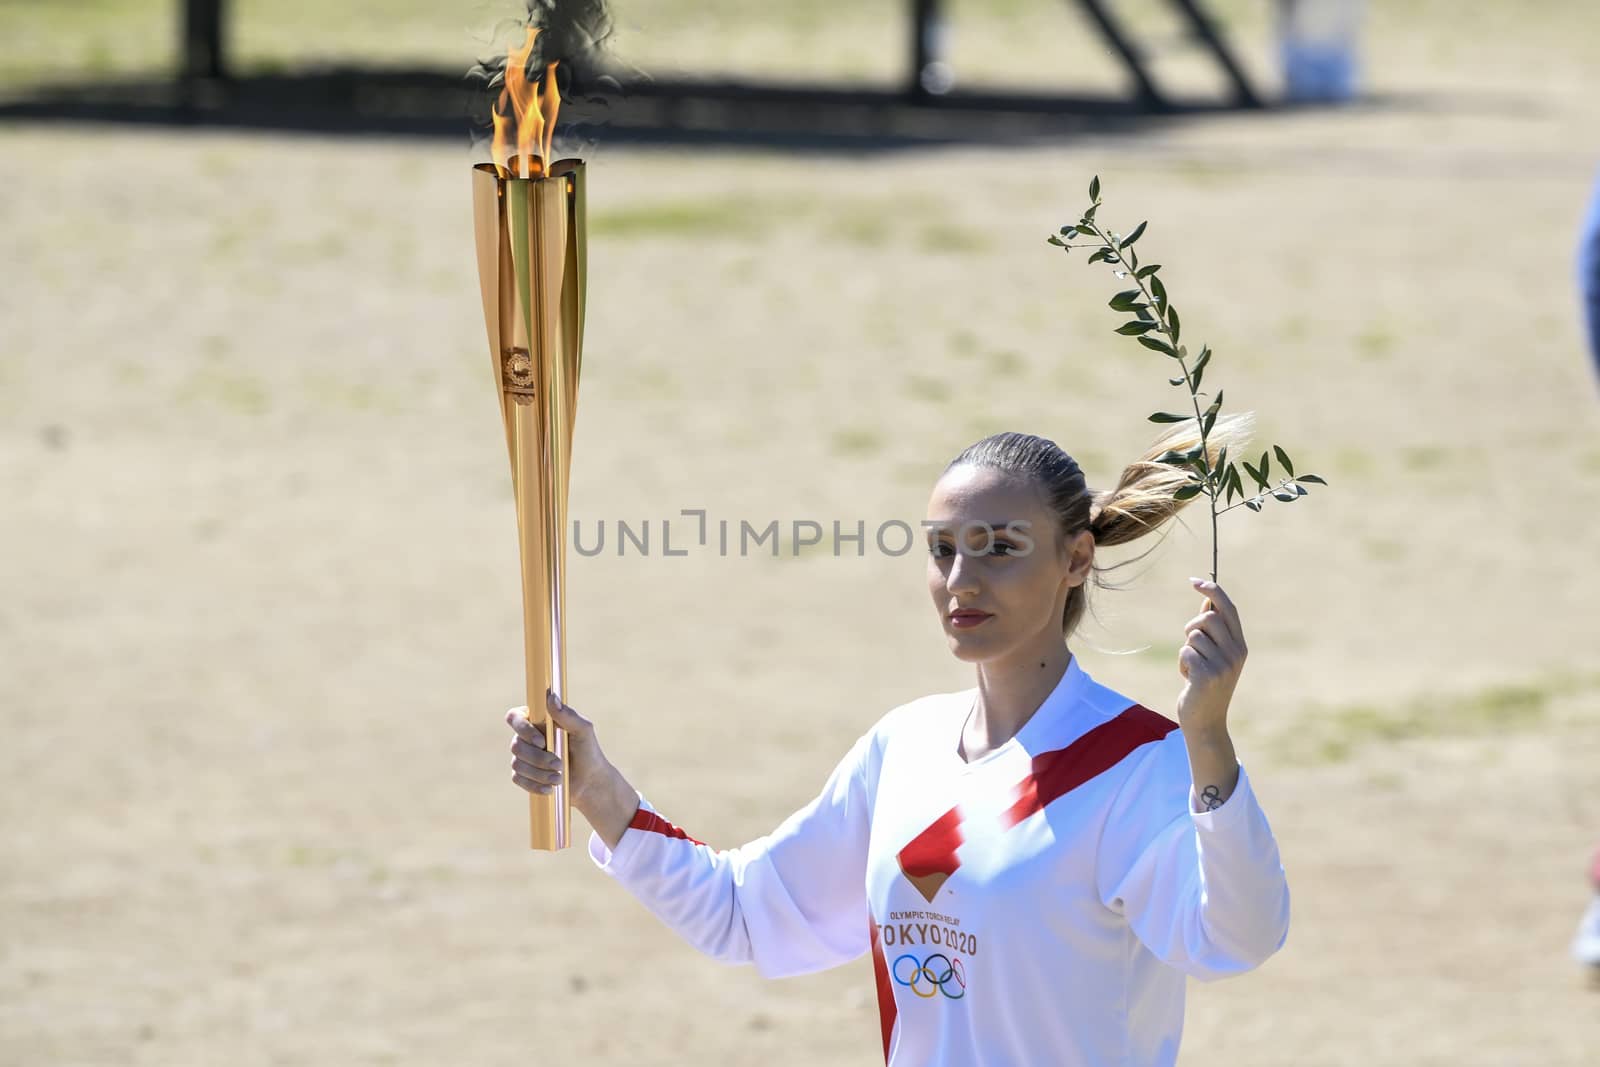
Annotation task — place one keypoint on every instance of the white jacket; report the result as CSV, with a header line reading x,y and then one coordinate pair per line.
x,y
1040,905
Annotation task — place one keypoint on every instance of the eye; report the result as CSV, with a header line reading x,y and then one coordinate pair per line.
x,y
1003,548
938,549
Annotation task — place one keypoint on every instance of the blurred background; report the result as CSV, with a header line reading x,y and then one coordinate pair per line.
x,y
259,617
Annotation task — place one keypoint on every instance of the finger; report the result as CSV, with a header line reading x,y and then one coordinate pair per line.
x,y
1213,626
1190,661
532,786
543,775
1224,605
526,730
563,715
1208,649
1212,619
535,755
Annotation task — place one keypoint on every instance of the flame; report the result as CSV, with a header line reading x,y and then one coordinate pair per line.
x,y
529,106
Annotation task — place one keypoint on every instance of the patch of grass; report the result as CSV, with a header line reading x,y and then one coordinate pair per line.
x,y
741,268
1385,781
867,228
223,387
947,237
926,388
1376,343
1353,462
341,394
1007,361
1294,328
688,218
330,245
856,441
963,343
217,164
1338,733
657,380
1424,457
1506,706
1385,550
742,436
300,855
1203,173
53,42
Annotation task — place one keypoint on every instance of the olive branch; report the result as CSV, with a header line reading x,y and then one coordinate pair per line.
x,y
1156,326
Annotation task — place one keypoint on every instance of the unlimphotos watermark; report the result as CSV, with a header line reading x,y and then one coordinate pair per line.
x,y
892,537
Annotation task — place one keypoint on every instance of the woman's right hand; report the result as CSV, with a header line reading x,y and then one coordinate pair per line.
x,y
598,789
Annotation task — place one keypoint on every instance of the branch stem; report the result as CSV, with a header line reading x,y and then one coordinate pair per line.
x,y
1209,487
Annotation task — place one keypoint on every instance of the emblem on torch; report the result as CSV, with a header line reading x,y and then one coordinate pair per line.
x,y
529,224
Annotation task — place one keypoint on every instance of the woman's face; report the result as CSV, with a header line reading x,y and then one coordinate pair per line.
x,y
999,569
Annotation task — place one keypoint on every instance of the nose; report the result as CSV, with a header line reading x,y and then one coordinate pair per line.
x,y
963,575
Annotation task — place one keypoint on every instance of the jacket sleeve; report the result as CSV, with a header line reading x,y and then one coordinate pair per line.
x,y
791,902
1204,891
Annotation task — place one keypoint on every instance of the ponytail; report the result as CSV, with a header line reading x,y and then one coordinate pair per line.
x,y
1144,498
1145,495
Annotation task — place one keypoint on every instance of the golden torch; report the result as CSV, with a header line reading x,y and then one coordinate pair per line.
x,y
529,223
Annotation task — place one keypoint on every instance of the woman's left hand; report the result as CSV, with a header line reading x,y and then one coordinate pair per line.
x,y
1211,660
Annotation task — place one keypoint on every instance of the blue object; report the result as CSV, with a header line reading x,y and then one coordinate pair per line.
x,y
1589,274
1319,45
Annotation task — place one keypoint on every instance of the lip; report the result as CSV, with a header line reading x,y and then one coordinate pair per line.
x,y
967,618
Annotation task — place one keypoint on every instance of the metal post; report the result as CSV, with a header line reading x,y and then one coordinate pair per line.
x,y
203,56
930,75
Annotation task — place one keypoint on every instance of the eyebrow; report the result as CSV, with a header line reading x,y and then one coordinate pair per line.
x,y
937,526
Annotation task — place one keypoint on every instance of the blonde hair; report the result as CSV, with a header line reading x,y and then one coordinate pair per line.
x,y
1141,502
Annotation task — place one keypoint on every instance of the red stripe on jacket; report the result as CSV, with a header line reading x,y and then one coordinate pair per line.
x,y
1060,771
887,1012
649,820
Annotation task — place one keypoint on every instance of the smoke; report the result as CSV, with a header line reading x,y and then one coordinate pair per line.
x,y
575,33
578,35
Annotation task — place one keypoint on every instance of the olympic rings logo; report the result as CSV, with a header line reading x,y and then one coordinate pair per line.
x,y
937,974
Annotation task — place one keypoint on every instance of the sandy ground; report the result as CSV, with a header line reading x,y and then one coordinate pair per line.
x,y
258,618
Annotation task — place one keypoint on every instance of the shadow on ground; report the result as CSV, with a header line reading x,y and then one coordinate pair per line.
x,y
722,113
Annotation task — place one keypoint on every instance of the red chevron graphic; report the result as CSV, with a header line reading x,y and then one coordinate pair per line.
x,y
929,859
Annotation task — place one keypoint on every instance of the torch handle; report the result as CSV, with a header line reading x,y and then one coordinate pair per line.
x,y
542,551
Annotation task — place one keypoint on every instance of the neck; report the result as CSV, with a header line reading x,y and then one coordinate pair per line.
x,y
1009,692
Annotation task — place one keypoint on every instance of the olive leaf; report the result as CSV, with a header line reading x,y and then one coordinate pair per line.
x,y
1157,326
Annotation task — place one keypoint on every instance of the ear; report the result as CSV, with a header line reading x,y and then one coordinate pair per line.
x,y
1080,557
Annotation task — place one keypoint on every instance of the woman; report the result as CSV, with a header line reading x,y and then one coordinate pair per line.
x,y
1035,863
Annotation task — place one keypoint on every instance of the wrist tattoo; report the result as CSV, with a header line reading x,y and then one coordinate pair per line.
x,y
1211,798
